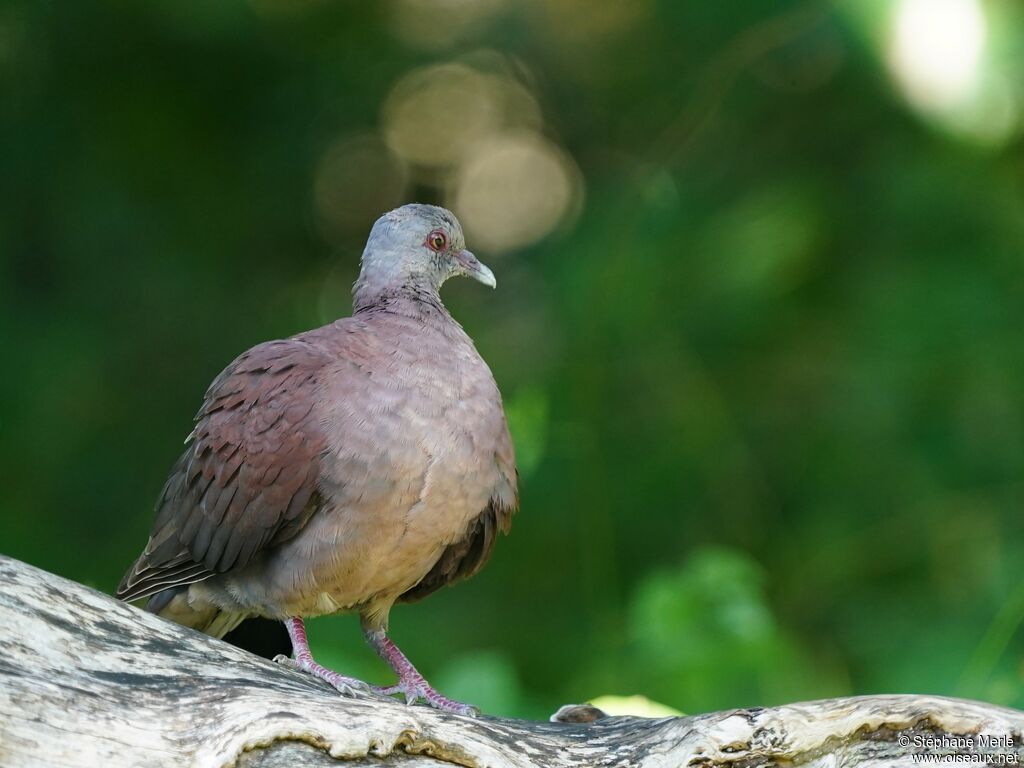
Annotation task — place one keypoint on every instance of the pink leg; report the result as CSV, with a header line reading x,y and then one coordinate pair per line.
x,y
304,661
410,681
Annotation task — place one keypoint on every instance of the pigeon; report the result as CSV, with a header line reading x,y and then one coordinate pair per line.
x,y
348,468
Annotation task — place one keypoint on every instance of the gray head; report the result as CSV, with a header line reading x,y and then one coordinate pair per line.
x,y
415,248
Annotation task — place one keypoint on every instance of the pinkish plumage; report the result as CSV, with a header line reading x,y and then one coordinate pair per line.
x,y
344,469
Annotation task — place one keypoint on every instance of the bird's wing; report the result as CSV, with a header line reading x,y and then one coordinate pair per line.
x,y
248,477
465,557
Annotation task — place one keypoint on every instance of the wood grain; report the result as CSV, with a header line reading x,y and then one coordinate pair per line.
x,y
88,681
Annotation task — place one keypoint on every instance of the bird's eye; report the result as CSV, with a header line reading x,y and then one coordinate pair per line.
x,y
437,240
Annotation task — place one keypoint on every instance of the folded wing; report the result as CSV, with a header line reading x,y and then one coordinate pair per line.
x,y
248,477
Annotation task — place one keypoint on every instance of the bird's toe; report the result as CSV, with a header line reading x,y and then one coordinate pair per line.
x,y
346,686
413,692
285,661
343,684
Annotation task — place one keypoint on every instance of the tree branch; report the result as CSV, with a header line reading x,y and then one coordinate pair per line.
x,y
86,680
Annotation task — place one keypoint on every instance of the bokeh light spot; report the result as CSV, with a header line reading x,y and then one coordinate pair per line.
x,y
936,49
434,113
415,22
588,23
955,64
514,189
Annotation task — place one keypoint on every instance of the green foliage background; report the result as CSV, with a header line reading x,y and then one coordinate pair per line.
x,y
767,386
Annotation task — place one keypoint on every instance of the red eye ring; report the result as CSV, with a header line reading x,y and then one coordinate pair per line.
x,y
437,240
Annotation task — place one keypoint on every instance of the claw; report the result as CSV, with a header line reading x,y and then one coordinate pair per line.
x,y
413,690
346,686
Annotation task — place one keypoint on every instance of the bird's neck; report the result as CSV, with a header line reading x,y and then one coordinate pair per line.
x,y
414,298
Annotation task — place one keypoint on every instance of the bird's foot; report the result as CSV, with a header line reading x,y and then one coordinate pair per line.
x,y
346,686
411,683
415,687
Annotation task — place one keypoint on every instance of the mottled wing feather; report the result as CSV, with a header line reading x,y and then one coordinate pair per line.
x,y
248,477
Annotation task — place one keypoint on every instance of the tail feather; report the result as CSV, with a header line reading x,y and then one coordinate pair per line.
x,y
264,637
174,604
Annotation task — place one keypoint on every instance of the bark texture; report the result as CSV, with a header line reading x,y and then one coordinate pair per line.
x,y
88,681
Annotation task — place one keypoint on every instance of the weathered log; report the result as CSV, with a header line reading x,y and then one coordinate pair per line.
x,y
88,681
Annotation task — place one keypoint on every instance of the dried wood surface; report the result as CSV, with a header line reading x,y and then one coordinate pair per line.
x,y
88,681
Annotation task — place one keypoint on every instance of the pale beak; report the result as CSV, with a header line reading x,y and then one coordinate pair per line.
x,y
471,267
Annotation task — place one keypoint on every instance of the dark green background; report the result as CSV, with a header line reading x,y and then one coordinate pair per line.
x,y
768,386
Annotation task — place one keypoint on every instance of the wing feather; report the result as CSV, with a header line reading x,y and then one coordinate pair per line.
x,y
248,477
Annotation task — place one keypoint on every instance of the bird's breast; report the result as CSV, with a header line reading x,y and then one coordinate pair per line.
x,y
410,465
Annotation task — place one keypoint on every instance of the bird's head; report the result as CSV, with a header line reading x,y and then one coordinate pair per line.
x,y
418,247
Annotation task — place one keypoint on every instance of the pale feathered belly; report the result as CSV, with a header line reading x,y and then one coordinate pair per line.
x,y
363,550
